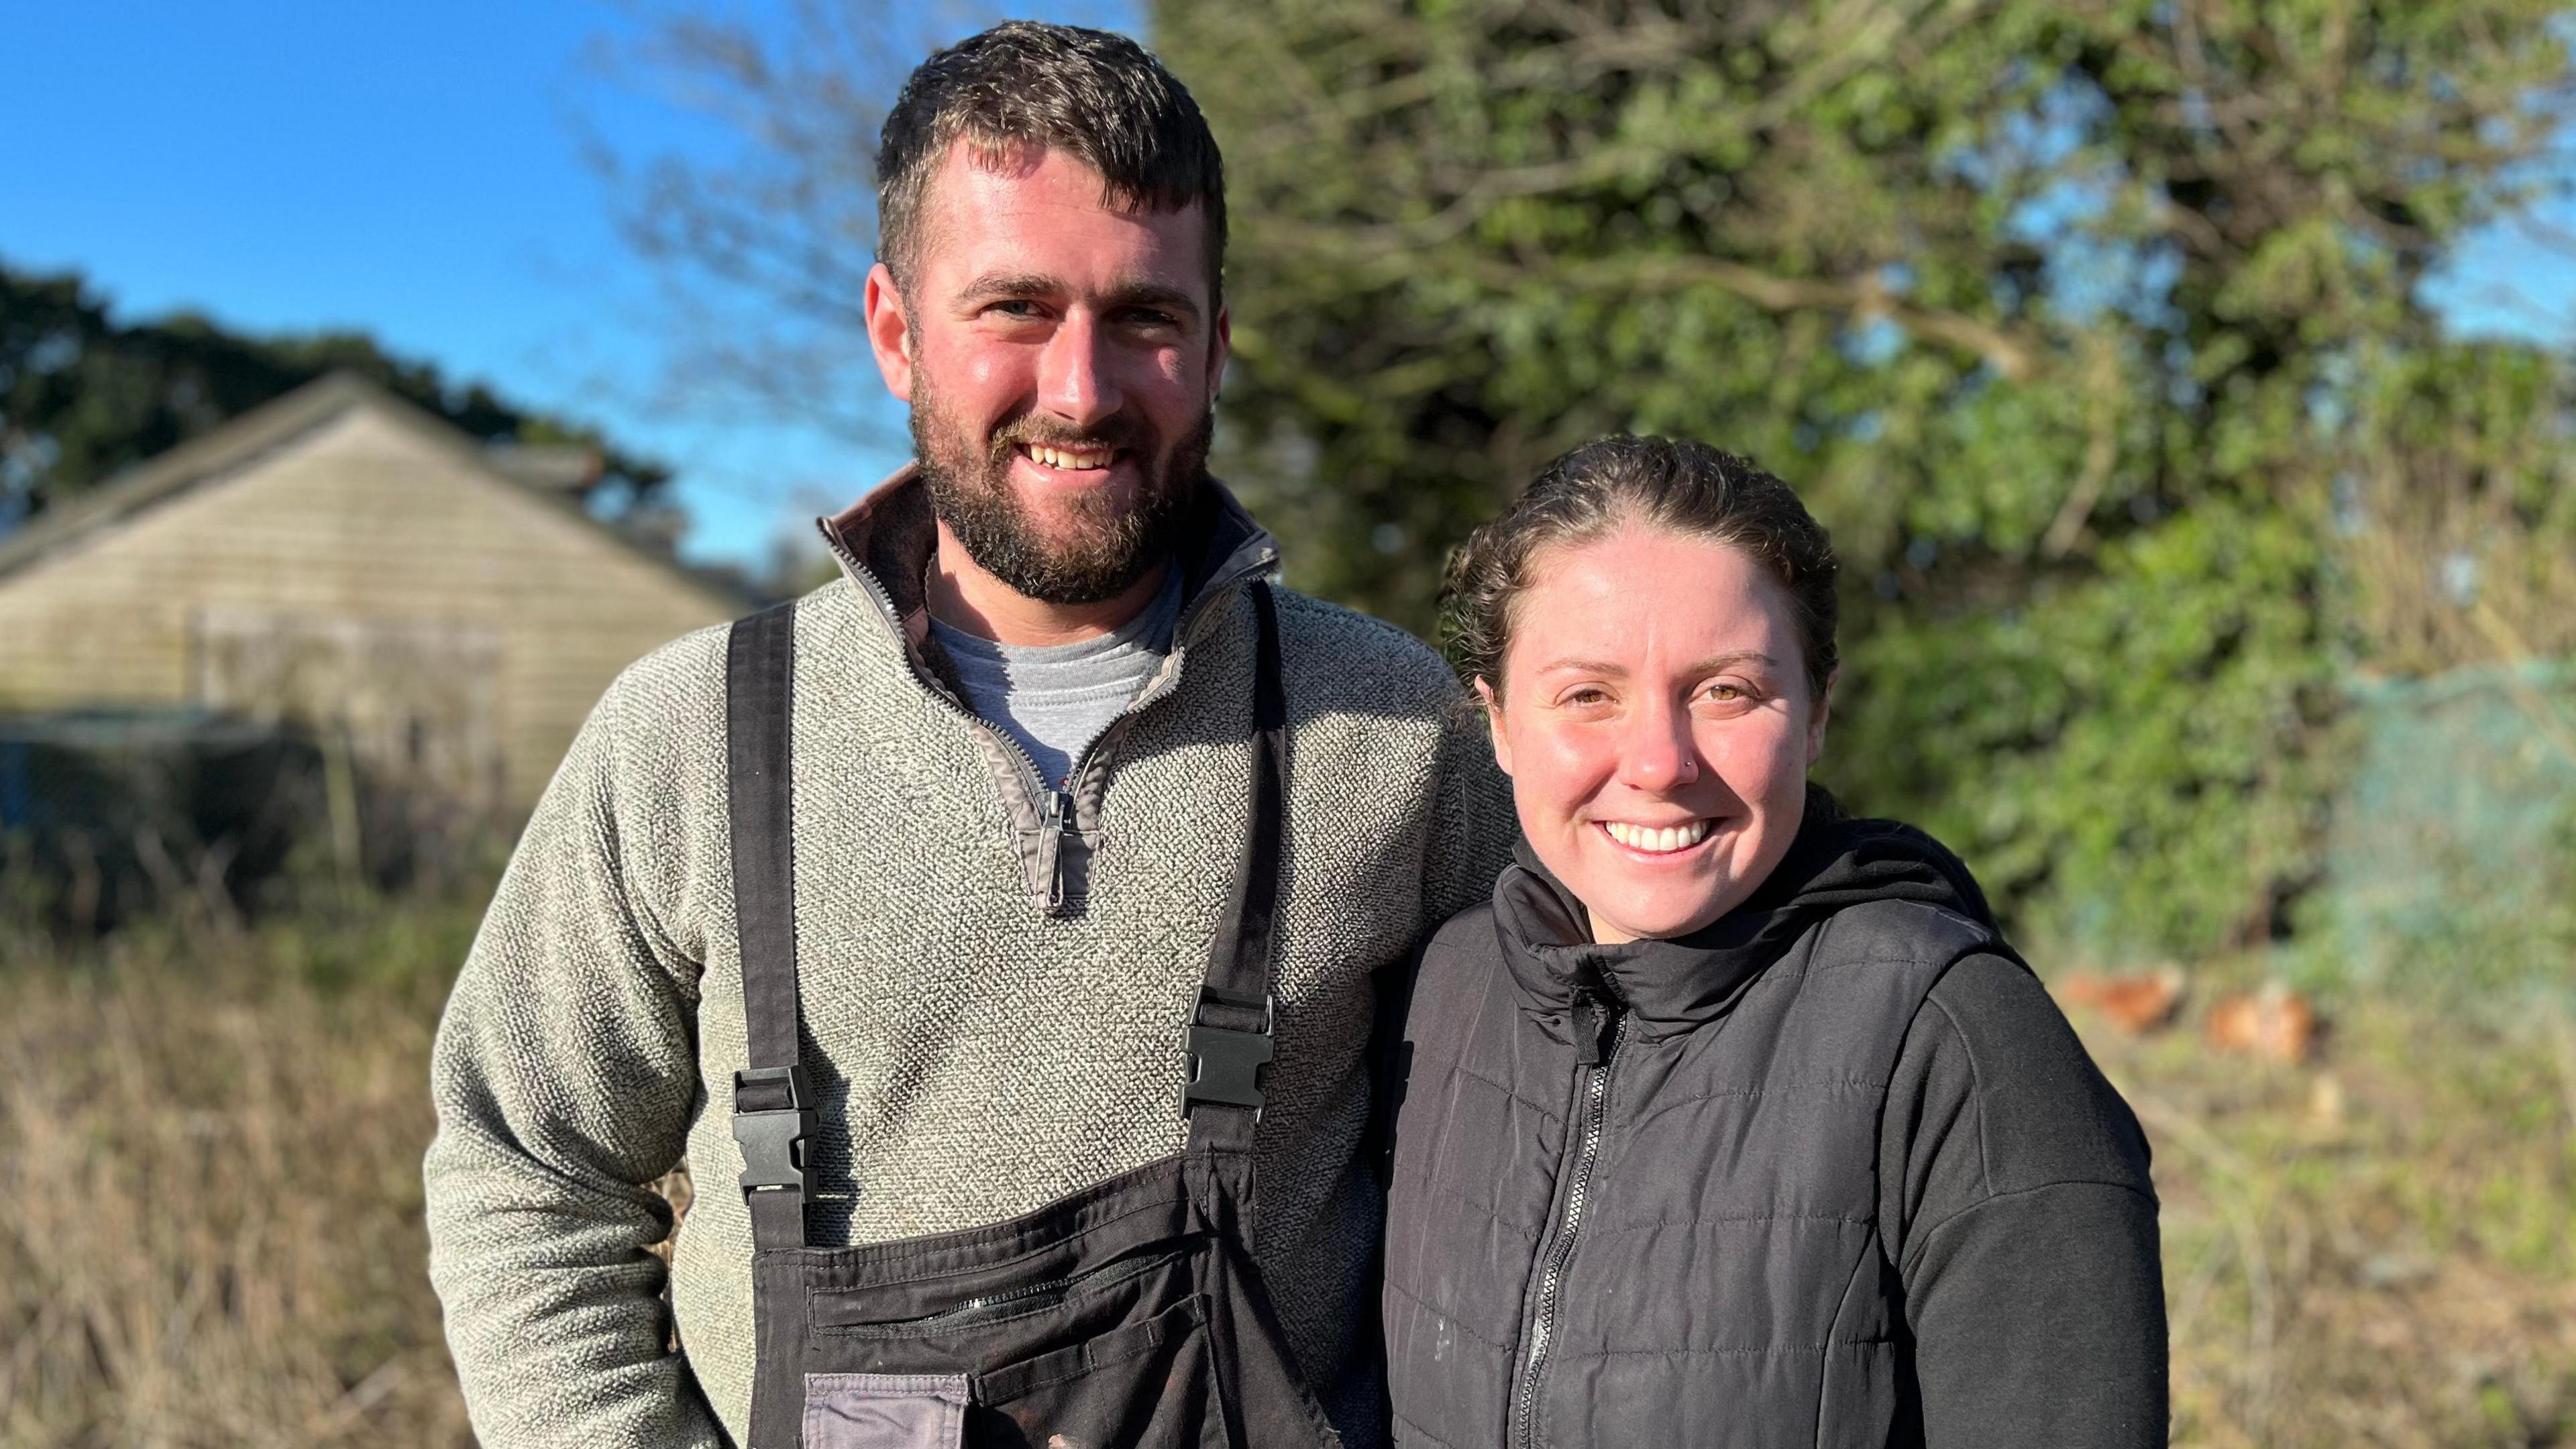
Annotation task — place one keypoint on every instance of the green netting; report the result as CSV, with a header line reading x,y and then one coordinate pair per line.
x,y
2452,860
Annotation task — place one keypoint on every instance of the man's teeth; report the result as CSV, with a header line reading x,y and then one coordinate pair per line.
x,y
1072,459
1668,838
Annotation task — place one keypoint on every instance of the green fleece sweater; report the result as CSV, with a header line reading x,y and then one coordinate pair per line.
x,y
993,1006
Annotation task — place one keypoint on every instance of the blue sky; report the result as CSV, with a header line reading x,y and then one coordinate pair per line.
x,y
413,171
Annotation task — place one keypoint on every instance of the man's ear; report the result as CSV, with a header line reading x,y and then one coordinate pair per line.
x,y
1817,717
889,331
1494,725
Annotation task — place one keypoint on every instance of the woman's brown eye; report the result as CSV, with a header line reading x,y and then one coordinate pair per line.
x,y
1727,694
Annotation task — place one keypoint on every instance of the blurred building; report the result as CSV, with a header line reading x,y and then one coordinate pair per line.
x,y
348,570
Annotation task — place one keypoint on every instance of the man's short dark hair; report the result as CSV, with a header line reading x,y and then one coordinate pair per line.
x,y
1099,97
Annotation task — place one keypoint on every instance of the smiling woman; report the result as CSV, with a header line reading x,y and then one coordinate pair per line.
x,y
1658,741
1731,1119
1665,615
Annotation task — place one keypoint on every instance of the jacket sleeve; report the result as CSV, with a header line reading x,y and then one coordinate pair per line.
x,y
1473,824
2023,1226
564,1077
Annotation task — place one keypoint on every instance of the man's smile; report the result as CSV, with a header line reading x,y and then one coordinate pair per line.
x,y
1068,459
1083,467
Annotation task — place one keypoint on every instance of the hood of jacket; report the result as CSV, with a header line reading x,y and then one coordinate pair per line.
x,y
1672,985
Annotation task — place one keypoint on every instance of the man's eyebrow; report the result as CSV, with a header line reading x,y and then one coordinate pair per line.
x,y
1154,294
1010,284
1034,284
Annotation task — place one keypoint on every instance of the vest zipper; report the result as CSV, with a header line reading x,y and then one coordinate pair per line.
x,y
1594,1094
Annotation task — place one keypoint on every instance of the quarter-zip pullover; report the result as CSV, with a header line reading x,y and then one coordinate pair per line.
x,y
995,977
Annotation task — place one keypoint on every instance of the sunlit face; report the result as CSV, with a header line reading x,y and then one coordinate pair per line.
x,y
1061,359
1655,720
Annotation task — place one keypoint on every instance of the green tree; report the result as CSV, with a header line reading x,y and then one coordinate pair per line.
x,y
82,395
2096,331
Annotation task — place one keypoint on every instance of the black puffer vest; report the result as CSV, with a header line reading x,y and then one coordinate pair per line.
x,y
1635,1188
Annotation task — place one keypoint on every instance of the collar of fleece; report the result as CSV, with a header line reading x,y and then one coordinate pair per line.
x,y
1673,985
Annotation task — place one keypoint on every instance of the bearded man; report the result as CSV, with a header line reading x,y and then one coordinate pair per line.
x,y
1019,887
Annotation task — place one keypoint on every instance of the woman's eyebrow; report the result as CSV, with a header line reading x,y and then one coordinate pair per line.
x,y
1584,666
1716,662
1704,666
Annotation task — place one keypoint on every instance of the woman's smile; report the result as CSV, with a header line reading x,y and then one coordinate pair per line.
x,y
1656,722
1660,843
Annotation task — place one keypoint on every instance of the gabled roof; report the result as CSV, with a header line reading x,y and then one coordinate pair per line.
x,y
239,442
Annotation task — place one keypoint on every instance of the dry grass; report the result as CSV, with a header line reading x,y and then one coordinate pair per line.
x,y
210,1203
210,1207
2375,1249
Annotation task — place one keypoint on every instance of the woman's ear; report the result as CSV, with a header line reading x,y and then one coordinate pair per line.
x,y
1494,724
1817,717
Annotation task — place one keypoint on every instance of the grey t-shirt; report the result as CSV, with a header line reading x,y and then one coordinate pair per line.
x,y
1056,699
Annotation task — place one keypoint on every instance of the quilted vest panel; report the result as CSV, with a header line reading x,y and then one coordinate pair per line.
x,y
1727,1283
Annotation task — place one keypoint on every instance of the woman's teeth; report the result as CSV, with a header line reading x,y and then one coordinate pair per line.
x,y
1661,841
1076,460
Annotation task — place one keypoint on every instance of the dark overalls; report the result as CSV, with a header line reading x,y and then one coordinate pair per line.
x,y
1126,1314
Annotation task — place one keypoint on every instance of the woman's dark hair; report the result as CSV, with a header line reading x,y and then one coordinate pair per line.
x,y
1669,484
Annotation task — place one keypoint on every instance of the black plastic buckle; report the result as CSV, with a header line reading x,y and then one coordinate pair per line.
x,y
1228,1066
773,1139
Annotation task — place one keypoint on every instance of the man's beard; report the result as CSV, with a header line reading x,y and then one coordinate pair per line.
x,y
1106,545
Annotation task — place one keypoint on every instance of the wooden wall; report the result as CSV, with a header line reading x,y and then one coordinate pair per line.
x,y
365,568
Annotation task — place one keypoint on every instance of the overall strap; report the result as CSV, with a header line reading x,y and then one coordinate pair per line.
x,y
1228,1048
773,1102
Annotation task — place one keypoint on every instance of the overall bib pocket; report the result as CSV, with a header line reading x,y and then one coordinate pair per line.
x,y
973,1309
885,1411
1150,1384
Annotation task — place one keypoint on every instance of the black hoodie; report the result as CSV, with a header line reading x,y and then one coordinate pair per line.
x,y
1832,1170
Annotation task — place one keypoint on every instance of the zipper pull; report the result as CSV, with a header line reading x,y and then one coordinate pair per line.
x,y
1586,1030
1055,817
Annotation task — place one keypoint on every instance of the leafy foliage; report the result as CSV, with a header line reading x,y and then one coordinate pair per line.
x,y
2095,331
82,395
